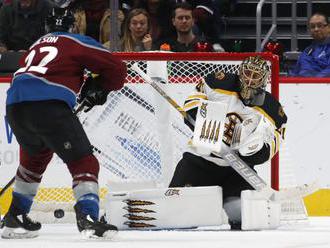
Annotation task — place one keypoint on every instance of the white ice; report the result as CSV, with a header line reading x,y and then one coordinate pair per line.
x,y
315,234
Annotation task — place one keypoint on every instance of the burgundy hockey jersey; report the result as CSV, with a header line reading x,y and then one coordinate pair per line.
x,y
53,68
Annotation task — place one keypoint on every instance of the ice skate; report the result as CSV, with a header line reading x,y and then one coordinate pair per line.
x,y
19,227
91,228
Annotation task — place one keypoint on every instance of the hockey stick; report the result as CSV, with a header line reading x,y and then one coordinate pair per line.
x,y
4,189
232,158
148,79
80,107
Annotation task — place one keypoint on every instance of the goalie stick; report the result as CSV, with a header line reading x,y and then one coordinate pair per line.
x,y
232,158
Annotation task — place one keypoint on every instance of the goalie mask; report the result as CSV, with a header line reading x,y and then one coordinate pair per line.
x,y
253,74
59,20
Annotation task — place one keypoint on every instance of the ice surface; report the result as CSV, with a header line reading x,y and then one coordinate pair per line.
x,y
315,234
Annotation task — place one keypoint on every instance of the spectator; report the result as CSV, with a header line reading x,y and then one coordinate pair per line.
x,y
185,40
93,19
207,16
315,59
137,32
21,23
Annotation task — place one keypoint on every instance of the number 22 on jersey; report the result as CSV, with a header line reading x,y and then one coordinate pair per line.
x,y
47,54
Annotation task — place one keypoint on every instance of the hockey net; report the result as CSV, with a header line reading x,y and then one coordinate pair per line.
x,y
139,138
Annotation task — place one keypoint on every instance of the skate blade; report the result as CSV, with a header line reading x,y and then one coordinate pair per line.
x,y
90,234
18,233
110,234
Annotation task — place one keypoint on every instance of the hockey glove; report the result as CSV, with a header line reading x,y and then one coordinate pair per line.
x,y
92,94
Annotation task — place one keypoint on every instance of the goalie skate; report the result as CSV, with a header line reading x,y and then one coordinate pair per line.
x,y
90,228
19,227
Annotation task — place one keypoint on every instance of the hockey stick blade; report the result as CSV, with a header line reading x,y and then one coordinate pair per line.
x,y
297,192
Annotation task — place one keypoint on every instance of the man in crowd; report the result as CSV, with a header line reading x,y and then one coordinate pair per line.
x,y
22,23
185,40
315,59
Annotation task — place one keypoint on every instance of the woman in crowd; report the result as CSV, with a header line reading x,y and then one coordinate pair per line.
x,y
136,34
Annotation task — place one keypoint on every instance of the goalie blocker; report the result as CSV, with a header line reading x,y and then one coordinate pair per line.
x,y
188,207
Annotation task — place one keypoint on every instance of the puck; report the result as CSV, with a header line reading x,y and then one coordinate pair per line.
x,y
59,213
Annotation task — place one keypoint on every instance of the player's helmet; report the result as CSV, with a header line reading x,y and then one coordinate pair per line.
x,y
59,20
253,74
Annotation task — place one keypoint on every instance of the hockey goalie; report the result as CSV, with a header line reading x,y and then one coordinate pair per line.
x,y
228,110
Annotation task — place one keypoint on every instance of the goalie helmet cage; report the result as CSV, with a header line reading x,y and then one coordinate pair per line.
x,y
138,137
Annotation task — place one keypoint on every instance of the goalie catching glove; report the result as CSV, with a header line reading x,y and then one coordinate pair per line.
x,y
92,93
249,136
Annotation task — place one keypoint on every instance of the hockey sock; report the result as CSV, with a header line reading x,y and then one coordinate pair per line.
x,y
89,205
21,204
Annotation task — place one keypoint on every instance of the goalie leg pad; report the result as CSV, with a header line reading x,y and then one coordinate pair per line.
x,y
165,208
258,213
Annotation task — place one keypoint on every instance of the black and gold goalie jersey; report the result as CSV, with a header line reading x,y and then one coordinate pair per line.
x,y
222,87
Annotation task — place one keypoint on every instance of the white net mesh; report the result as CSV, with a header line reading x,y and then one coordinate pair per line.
x,y
132,148
137,136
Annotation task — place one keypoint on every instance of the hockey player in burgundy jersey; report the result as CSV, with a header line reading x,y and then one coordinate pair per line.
x,y
39,110
248,102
